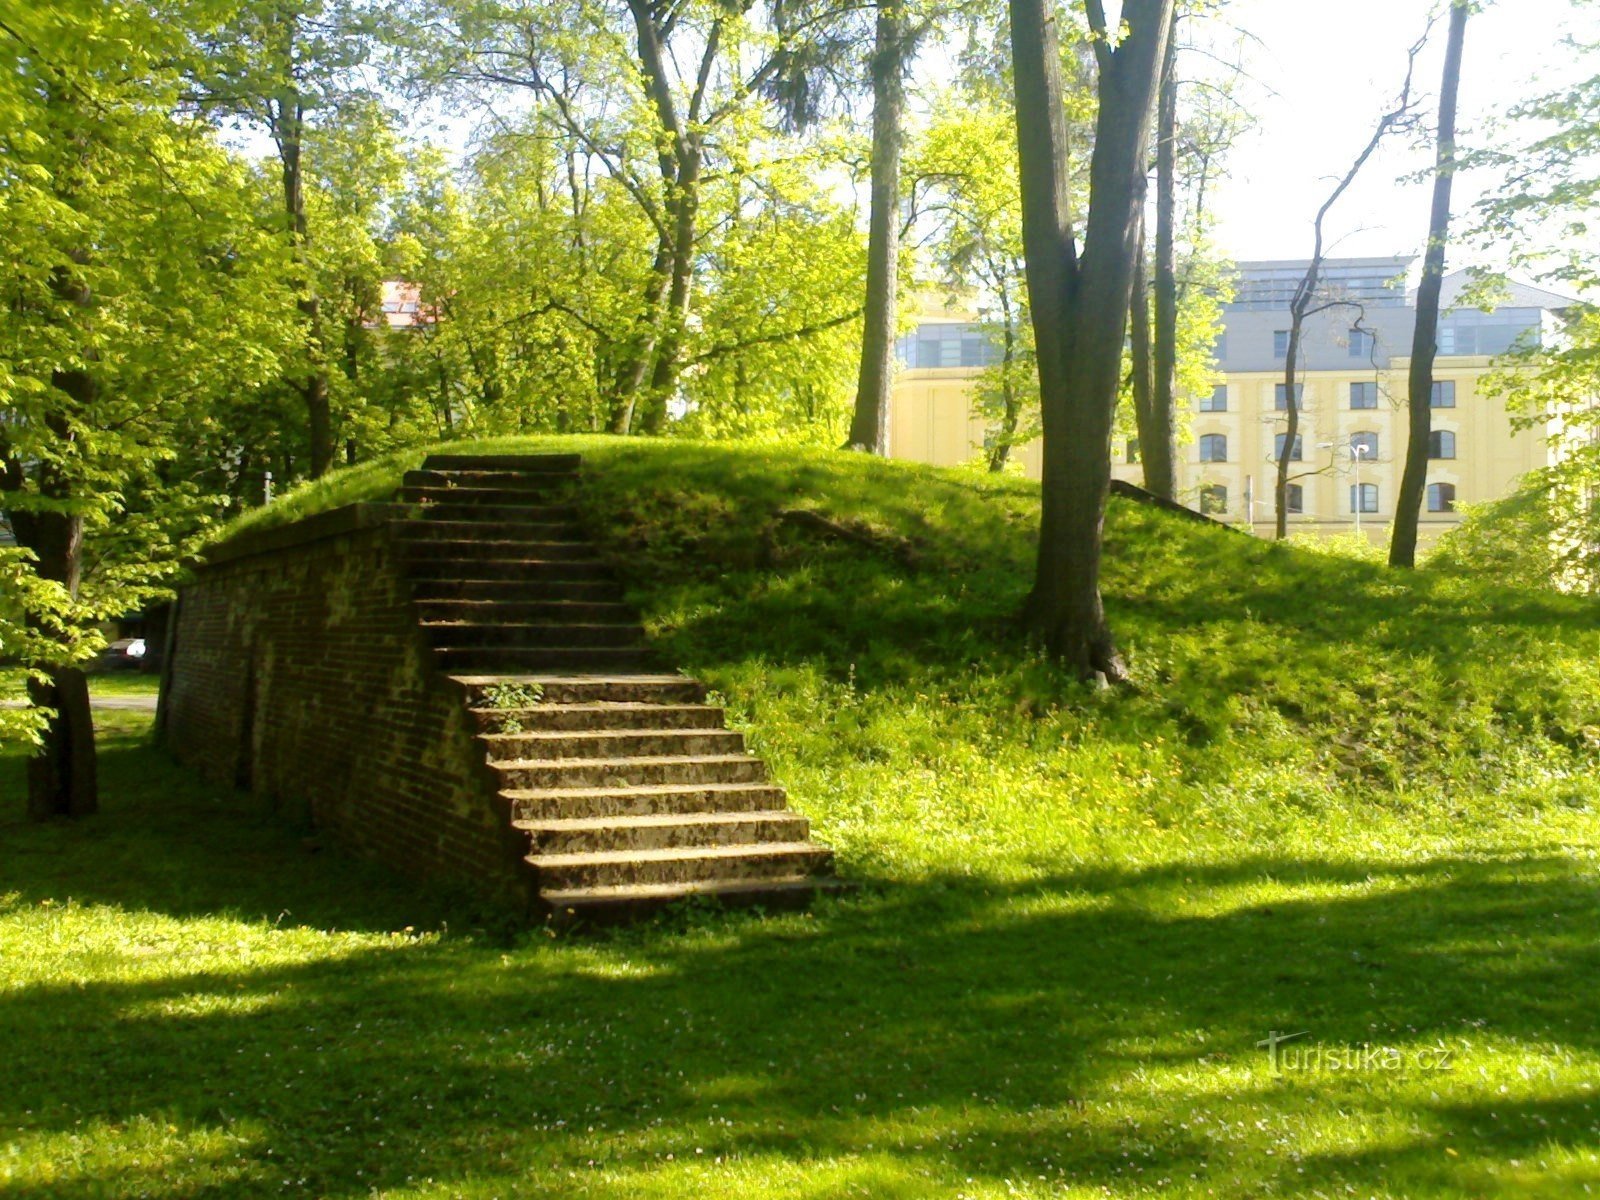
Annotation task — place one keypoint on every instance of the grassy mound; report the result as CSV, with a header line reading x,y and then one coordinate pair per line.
x,y
1336,800
885,679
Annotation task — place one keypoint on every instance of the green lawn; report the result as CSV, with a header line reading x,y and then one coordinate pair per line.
x,y
103,683
1335,801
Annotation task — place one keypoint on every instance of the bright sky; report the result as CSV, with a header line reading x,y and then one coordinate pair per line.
x,y
1332,69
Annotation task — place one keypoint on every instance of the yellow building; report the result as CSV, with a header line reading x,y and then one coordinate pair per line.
x,y
1352,400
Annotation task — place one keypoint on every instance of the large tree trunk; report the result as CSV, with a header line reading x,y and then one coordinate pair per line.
x,y
1158,447
674,320
62,775
313,386
1080,307
679,155
630,378
1425,338
869,428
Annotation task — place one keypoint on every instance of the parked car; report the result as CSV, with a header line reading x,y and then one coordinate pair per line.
x,y
124,654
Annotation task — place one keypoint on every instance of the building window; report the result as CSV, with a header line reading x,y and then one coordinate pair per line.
x,y
1213,499
1363,395
1490,333
1362,343
947,344
1213,447
1294,498
1441,497
1364,498
1364,446
1133,450
1441,444
1277,448
1280,396
1217,401
1443,395
1280,343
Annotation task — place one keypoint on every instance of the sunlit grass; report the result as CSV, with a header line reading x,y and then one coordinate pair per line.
x,y
1336,800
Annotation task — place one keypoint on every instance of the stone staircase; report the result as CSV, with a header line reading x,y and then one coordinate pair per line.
x,y
628,787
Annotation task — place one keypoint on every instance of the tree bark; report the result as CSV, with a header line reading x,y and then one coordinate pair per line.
x,y
62,774
685,209
1158,449
1010,402
289,130
630,378
1139,355
680,156
869,427
1080,307
1425,338
1291,402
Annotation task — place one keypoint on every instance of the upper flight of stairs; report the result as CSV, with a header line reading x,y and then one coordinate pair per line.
x,y
626,784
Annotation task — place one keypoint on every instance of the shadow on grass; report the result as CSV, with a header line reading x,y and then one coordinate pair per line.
x,y
168,841
948,1025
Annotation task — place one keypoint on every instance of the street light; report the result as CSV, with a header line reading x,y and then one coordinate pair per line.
x,y
1358,451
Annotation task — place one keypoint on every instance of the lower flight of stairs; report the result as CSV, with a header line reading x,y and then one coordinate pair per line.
x,y
627,785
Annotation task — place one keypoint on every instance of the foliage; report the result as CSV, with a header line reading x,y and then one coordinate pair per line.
x,y
1543,215
140,291
1545,534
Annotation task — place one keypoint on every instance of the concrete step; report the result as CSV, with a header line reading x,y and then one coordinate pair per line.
x,y
601,905
426,495
567,717
548,744
540,569
700,864
517,590
544,804
539,463
565,635
452,509
470,548
514,482
678,769
547,804
602,660
519,612
433,529
637,687
665,831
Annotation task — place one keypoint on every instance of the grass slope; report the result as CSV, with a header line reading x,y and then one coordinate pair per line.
x,y
1337,800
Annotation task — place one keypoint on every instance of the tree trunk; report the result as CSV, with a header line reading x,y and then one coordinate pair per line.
x,y
869,428
630,378
1158,449
1142,369
1291,406
1010,402
1425,338
664,374
1080,307
62,774
679,155
313,386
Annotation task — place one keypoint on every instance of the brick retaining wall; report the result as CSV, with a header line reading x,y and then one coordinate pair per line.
x,y
298,672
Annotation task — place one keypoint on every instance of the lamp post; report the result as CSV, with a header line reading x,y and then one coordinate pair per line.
x,y
1357,451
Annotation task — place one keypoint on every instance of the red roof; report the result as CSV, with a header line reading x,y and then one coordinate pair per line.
x,y
403,307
